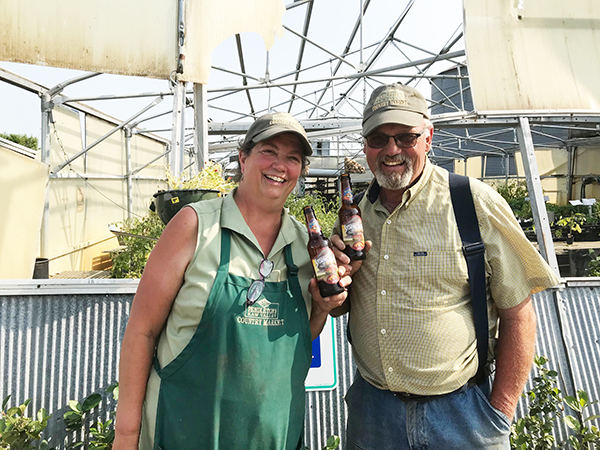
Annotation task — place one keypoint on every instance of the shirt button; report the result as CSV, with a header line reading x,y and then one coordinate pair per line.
x,y
383,331
390,369
383,292
386,257
388,222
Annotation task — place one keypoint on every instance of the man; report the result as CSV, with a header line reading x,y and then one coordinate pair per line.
x,y
411,321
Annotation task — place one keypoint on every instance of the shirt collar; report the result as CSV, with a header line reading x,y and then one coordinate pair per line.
x,y
232,218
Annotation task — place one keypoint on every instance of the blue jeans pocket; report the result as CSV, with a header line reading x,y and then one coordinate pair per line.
x,y
498,418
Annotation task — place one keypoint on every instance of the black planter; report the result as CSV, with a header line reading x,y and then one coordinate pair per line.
x,y
168,203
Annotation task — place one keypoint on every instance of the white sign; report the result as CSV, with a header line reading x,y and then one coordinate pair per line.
x,y
322,375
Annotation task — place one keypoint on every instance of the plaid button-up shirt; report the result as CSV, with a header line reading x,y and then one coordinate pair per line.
x,y
411,319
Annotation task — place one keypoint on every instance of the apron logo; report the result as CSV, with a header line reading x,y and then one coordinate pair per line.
x,y
263,313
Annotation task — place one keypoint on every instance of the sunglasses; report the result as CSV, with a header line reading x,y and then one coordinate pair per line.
x,y
403,140
256,288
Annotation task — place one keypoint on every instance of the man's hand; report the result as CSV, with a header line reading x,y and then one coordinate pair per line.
x,y
342,259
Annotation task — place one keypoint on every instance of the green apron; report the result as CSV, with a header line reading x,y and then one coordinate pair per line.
x,y
239,383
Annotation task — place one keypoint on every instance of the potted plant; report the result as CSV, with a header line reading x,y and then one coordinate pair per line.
x,y
572,224
209,183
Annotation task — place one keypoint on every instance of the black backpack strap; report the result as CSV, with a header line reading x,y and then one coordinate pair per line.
x,y
473,249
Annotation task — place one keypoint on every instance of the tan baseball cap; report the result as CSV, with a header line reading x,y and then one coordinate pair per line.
x,y
394,103
272,124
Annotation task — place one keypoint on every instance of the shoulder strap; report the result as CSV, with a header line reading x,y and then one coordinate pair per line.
x,y
473,249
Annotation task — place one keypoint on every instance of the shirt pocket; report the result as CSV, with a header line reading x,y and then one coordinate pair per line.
x,y
437,278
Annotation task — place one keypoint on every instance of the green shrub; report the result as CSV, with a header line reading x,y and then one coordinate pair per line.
x,y
515,193
130,262
545,408
534,431
22,139
102,434
19,432
325,210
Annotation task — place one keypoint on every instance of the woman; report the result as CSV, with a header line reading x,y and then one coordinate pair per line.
x,y
218,342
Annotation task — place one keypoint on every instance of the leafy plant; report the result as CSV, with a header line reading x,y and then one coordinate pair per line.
x,y
74,419
534,431
573,223
326,211
19,432
210,177
515,193
332,443
585,433
130,261
593,267
102,434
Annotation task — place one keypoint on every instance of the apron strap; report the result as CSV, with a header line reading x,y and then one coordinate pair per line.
x,y
223,270
292,272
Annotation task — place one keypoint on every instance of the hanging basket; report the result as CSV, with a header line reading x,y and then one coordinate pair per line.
x,y
168,203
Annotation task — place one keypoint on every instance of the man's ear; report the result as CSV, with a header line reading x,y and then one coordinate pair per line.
x,y
429,140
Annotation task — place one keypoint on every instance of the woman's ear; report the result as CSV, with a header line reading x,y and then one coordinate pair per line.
x,y
242,160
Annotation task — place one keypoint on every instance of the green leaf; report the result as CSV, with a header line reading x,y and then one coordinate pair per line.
x,y
73,420
333,442
572,403
572,423
13,411
5,402
75,405
91,402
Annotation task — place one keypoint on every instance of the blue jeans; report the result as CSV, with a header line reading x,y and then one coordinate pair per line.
x,y
462,420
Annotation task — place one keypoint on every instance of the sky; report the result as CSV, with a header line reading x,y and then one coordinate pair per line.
x,y
427,28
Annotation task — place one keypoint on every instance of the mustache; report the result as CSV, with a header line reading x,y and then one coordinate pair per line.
x,y
394,158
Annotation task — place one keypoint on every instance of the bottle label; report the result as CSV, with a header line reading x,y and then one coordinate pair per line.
x,y
313,226
325,266
352,233
347,195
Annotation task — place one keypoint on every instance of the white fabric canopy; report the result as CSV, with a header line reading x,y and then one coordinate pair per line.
x,y
533,54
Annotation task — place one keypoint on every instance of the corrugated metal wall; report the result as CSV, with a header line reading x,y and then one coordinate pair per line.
x,y
62,342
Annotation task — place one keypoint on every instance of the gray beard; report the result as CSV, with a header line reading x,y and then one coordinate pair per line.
x,y
395,181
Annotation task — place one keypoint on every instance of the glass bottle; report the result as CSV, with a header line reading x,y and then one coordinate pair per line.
x,y
351,222
322,257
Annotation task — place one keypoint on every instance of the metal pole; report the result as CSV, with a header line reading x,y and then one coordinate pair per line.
x,y
570,165
106,136
47,106
536,195
128,170
201,128
177,144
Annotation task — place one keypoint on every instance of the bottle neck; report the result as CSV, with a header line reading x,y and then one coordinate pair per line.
x,y
311,223
347,196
